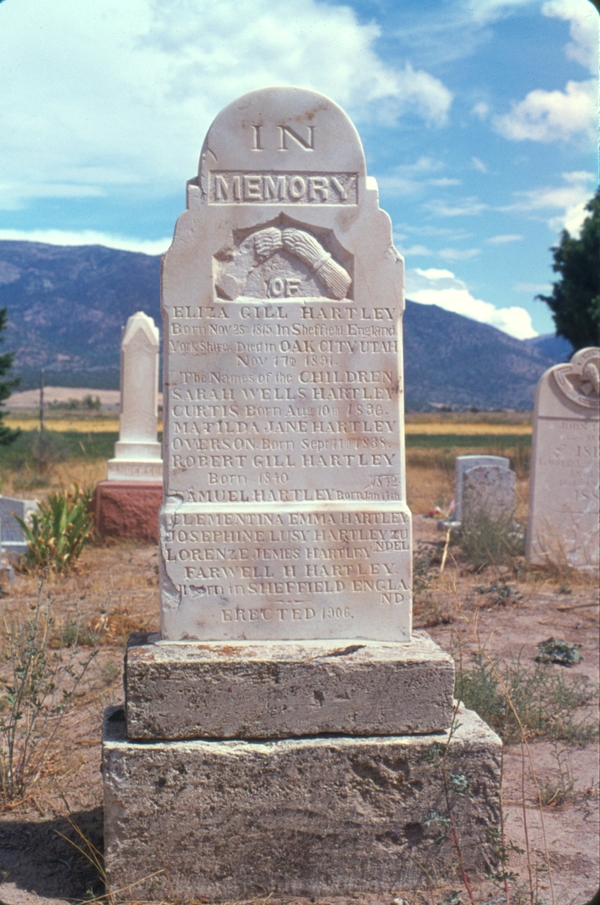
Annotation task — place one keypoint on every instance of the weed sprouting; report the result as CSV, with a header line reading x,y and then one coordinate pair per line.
x,y
489,541
37,692
57,532
544,701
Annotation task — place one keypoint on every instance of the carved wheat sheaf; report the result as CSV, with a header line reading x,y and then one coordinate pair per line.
x,y
267,242
307,249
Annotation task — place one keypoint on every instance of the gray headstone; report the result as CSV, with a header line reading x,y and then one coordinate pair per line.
x,y
11,534
488,490
464,464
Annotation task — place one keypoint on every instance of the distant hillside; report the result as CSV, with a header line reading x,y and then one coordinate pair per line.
x,y
67,306
453,361
554,346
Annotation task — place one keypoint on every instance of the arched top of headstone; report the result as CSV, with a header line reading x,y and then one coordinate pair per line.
x,y
140,324
282,130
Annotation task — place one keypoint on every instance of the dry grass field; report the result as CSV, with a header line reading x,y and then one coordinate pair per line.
x,y
490,618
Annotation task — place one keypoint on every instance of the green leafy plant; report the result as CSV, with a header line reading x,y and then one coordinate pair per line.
x,y
36,690
553,650
57,532
544,700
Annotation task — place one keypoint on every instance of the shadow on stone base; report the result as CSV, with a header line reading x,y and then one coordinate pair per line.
x,y
307,817
128,509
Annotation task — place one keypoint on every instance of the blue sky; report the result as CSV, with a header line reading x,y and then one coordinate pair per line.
x,y
478,119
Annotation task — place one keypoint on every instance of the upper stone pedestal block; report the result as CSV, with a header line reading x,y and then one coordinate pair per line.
x,y
285,513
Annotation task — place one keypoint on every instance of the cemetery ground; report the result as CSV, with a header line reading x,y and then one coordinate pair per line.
x,y
491,617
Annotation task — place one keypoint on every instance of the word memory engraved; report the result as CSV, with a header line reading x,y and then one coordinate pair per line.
x,y
286,188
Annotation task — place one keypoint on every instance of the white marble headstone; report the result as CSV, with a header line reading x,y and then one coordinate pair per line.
x,y
563,496
138,454
284,513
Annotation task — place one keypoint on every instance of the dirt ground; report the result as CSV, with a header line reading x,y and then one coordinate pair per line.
x,y
50,840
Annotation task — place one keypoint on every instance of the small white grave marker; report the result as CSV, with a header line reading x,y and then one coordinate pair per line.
x,y
137,452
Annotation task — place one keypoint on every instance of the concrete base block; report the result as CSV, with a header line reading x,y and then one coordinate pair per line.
x,y
178,690
128,509
307,817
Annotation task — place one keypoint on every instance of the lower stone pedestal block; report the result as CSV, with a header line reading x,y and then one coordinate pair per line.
x,y
128,509
313,817
254,689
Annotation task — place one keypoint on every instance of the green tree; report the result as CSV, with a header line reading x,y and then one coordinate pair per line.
x,y
575,299
7,385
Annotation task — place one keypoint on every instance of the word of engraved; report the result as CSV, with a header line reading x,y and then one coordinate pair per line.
x,y
262,245
283,188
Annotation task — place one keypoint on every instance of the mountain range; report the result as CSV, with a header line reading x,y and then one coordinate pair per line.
x,y
67,306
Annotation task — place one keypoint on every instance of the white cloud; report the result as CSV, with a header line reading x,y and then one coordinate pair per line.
x,y
583,19
441,287
87,237
479,164
549,116
121,94
481,110
415,251
429,230
465,207
570,199
459,254
410,178
533,287
504,240
484,11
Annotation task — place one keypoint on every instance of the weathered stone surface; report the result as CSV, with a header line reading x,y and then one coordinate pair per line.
x,y
280,690
462,465
490,491
313,817
11,533
563,492
137,452
127,509
282,302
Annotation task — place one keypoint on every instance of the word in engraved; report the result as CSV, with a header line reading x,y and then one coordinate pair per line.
x,y
285,132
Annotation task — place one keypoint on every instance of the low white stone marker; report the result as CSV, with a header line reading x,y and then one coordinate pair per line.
x,y
12,539
286,723
562,529
138,454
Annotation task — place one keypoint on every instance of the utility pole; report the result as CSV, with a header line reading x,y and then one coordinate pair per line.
x,y
42,400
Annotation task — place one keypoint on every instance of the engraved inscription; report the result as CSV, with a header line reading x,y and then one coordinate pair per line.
x,y
291,402
303,565
227,187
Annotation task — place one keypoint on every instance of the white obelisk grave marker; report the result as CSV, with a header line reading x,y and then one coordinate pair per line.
x,y
563,497
286,725
138,454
